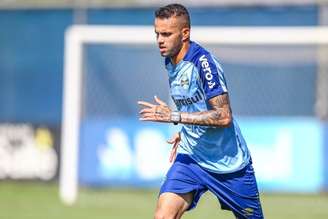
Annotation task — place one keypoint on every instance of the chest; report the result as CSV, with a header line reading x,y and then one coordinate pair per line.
x,y
184,82
185,87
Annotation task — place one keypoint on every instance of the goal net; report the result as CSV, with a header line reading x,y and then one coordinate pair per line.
x,y
276,80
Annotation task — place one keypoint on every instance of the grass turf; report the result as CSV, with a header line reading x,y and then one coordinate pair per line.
x,y
40,201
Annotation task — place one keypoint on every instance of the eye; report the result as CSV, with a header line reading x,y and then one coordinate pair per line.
x,y
166,34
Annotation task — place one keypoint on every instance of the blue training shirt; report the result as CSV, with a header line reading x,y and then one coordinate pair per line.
x,y
193,81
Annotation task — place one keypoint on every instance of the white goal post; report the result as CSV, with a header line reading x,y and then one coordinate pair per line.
x,y
77,36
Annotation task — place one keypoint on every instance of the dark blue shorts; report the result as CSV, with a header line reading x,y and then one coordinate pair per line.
x,y
236,191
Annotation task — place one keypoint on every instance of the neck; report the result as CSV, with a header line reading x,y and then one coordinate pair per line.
x,y
181,54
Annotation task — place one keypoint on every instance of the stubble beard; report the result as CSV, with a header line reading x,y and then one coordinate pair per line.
x,y
172,53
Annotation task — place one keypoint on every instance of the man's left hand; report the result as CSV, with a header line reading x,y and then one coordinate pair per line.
x,y
159,112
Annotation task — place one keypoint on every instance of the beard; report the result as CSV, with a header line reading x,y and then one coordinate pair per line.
x,y
170,52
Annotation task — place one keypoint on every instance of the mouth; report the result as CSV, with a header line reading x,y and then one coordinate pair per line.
x,y
162,49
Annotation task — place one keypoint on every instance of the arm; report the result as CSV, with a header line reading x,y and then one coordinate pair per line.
x,y
218,116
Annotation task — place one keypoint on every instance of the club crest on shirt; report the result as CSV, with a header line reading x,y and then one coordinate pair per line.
x,y
184,81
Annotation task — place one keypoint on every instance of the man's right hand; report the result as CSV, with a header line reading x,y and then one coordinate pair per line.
x,y
175,142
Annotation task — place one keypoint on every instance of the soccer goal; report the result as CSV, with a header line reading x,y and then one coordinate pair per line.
x,y
239,47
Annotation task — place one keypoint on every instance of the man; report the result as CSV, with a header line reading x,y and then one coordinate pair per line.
x,y
212,153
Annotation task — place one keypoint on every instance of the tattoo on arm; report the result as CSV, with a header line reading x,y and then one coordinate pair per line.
x,y
219,115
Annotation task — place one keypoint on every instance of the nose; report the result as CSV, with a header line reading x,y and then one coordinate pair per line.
x,y
160,39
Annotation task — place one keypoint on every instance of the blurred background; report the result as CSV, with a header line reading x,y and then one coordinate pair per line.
x,y
279,95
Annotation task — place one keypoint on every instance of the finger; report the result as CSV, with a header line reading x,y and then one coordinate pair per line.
x,y
159,101
174,148
174,138
171,157
144,103
177,136
170,141
147,119
152,120
147,116
173,152
146,110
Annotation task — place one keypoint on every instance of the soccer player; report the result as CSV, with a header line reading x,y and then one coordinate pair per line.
x,y
209,152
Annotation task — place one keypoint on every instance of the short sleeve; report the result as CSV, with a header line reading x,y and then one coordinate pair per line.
x,y
211,75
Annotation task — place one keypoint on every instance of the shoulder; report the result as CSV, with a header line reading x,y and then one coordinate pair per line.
x,y
196,54
209,70
204,60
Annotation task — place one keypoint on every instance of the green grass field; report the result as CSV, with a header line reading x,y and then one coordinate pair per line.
x,y
40,201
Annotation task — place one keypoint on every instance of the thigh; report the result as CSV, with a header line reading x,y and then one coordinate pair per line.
x,y
238,192
184,178
172,205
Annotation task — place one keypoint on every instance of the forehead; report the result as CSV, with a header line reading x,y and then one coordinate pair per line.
x,y
165,24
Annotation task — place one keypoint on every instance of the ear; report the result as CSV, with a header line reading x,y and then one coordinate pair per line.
x,y
185,34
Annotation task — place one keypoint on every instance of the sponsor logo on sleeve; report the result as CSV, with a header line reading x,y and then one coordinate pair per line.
x,y
207,71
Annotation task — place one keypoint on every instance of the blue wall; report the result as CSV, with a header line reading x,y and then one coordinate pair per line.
x,y
32,42
128,152
31,64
